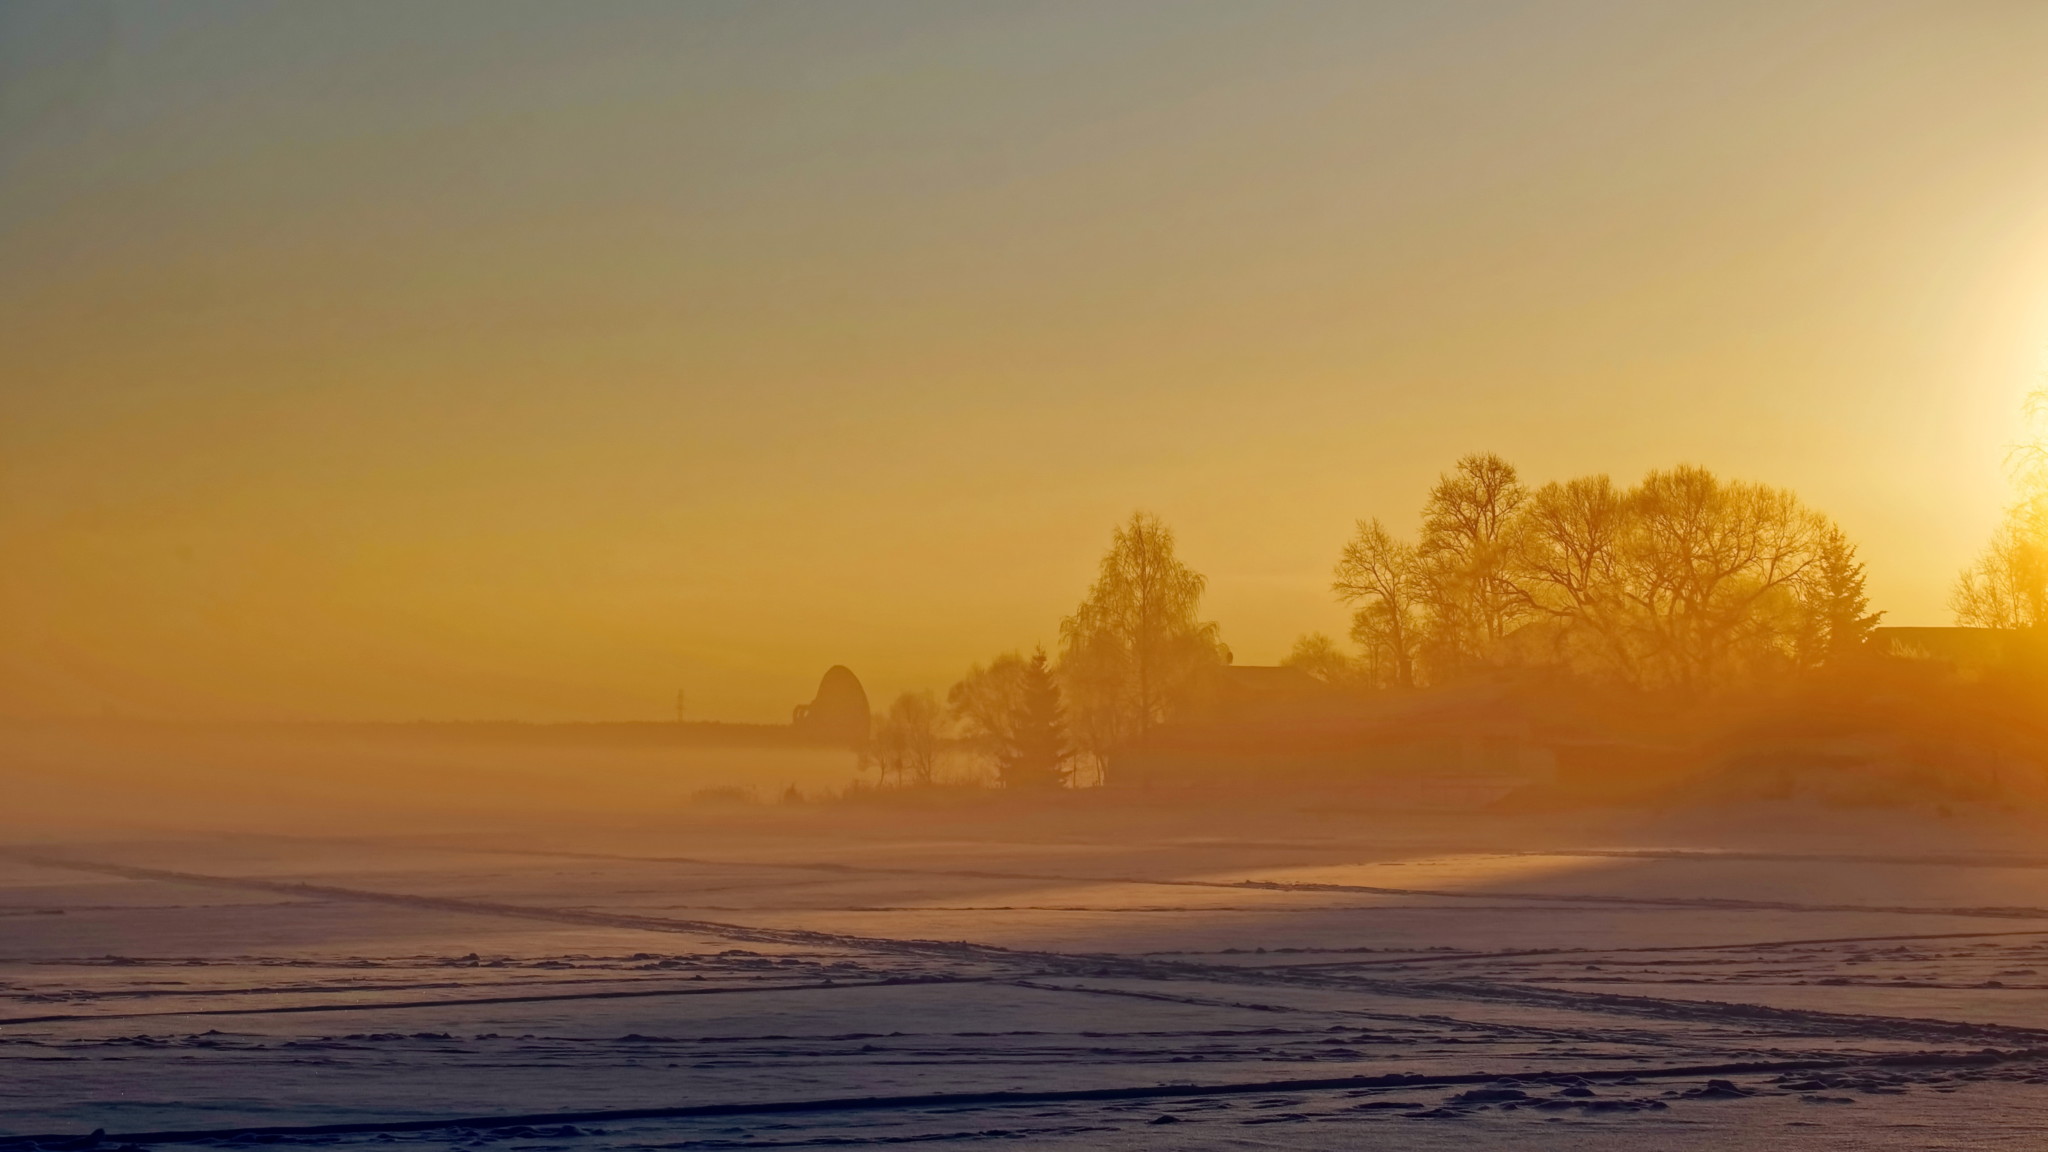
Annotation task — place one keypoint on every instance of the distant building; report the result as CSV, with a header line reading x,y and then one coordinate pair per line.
x,y
838,714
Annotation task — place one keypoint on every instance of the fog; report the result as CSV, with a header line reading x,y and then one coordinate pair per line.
x,y
1262,574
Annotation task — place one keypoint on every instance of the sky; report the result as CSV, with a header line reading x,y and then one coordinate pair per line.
x,y
508,360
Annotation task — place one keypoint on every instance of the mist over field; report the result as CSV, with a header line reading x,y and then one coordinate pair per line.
x,y
703,576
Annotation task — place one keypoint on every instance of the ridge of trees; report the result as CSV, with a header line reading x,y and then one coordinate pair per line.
x,y
1682,582
1131,654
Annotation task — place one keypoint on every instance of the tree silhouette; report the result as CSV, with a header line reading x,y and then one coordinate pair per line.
x,y
2007,585
1035,753
1317,655
1380,577
1466,594
1569,547
1685,581
1135,649
1837,616
986,702
1710,564
906,740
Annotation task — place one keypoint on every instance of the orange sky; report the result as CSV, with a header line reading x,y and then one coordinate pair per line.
x,y
504,360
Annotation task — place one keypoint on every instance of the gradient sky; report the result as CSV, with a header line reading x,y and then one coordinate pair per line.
x,y
534,360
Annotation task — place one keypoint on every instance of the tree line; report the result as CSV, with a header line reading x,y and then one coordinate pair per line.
x,y
1131,655
1683,584
1682,581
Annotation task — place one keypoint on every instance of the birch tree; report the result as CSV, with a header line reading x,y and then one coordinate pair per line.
x,y
1135,649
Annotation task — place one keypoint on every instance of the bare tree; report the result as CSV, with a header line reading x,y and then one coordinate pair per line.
x,y
907,739
1684,581
1710,564
2007,585
1318,656
1469,600
1378,575
1567,569
2028,460
1135,649
985,705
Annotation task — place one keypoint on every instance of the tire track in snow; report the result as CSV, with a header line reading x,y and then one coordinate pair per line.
x,y
464,1002
1801,1021
1704,903
952,950
1765,945
1001,1099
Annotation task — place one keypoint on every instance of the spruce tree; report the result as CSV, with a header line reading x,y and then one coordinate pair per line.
x,y
1035,754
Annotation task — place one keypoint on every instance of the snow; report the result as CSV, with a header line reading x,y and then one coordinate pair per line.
x,y
829,976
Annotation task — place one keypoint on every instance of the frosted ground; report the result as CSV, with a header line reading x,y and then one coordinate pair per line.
x,y
1066,977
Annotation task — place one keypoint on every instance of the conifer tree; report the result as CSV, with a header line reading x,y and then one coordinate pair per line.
x,y
1035,753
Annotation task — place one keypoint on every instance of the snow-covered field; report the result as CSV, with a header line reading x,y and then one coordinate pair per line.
x,y
1081,975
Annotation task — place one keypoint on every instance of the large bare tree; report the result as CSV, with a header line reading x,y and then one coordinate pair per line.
x,y
1568,569
1685,581
1379,577
1468,599
1713,568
